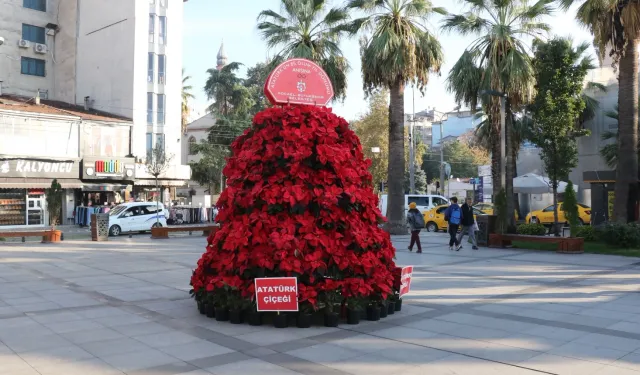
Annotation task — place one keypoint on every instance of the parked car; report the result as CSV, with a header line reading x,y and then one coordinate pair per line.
x,y
488,208
545,216
423,202
434,218
136,217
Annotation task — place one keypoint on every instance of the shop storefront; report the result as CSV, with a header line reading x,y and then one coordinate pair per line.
x,y
22,189
106,180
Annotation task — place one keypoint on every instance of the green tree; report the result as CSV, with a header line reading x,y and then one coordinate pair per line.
x,y
186,96
615,26
570,207
54,196
609,152
371,128
498,60
399,49
420,181
306,29
560,71
157,163
229,95
208,169
256,77
463,158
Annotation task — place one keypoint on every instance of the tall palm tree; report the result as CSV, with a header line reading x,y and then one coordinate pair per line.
x,y
615,25
498,61
220,87
305,29
398,48
609,152
186,95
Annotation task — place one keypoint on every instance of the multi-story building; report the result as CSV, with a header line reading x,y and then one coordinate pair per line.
x,y
121,59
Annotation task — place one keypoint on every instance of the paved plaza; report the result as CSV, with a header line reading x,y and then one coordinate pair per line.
x,y
122,307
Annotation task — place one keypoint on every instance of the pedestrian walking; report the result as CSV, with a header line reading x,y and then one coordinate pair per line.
x,y
453,215
468,224
416,223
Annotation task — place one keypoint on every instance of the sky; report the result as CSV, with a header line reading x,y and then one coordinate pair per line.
x,y
207,23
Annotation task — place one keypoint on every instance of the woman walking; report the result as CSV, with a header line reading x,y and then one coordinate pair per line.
x,y
416,223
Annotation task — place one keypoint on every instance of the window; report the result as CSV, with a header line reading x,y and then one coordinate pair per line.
x,y
150,67
418,200
152,27
438,201
161,109
149,143
150,108
33,33
148,210
162,68
164,3
32,67
441,210
548,209
35,4
192,145
162,33
160,140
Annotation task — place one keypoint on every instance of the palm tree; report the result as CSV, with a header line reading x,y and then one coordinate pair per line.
x,y
220,87
609,152
398,49
497,61
616,28
186,95
306,30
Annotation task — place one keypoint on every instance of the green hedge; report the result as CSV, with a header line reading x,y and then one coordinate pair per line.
x,y
532,229
589,233
620,235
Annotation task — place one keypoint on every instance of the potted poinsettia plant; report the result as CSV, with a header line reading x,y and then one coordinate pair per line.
x,y
221,303
354,307
254,317
308,299
331,301
236,305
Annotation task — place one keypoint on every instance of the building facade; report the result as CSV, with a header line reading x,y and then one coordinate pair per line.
x,y
122,59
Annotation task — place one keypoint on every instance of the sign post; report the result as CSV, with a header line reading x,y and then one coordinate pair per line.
x,y
277,294
298,81
405,280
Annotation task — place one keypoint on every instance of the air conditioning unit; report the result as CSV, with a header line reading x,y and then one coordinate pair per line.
x,y
22,43
40,48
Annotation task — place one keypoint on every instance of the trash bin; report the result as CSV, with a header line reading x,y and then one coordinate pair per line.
x,y
486,225
99,227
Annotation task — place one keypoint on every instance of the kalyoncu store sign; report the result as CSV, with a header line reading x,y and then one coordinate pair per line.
x,y
21,168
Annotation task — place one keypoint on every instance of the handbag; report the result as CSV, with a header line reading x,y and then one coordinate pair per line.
x,y
475,226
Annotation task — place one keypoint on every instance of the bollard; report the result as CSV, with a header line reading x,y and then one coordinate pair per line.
x,y
62,236
190,232
23,239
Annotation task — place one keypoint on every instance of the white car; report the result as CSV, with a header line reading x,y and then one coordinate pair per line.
x,y
423,202
136,217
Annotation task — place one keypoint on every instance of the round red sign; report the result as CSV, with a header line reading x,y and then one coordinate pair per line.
x,y
298,81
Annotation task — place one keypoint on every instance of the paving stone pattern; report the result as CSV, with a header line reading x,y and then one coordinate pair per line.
x,y
122,307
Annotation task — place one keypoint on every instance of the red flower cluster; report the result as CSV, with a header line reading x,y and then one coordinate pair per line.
x,y
299,202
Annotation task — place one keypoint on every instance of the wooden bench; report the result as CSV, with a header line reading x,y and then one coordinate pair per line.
x,y
565,245
163,232
47,235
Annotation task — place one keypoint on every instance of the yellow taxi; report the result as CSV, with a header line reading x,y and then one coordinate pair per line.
x,y
487,208
434,218
545,216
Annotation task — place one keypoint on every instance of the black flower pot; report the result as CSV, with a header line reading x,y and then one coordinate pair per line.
x,y
373,313
399,305
201,307
210,310
391,308
353,316
222,314
304,320
363,314
280,321
383,311
254,318
235,317
331,319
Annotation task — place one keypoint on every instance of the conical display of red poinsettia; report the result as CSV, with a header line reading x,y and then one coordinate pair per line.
x,y
299,202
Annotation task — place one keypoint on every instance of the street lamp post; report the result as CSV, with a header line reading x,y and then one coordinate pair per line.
x,y
443,117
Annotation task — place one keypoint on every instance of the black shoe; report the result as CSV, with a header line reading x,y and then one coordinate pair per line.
x,y
475,248
410,249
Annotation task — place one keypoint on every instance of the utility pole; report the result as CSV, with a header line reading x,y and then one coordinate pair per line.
x,y
441,157
412,164
503,141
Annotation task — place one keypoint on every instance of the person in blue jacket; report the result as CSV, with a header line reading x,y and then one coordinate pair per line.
x,y
453,215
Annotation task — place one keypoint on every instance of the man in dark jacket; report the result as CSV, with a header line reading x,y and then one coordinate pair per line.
x,y
453,215
468,222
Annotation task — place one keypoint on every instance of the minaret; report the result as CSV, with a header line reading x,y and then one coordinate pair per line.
x,y
222,57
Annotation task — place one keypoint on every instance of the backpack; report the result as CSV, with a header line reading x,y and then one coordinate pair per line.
x,y
456,215
418,220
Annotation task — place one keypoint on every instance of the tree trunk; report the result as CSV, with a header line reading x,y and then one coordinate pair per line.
x,y
511,223
496,156
396,168
514,173
555,209
627,171
157,202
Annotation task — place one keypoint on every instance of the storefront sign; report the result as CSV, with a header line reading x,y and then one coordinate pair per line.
x,y
277,294
405,280
37,168
298,81
108,168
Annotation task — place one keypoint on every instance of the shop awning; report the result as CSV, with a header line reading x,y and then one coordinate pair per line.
x,y
160,182
38,183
